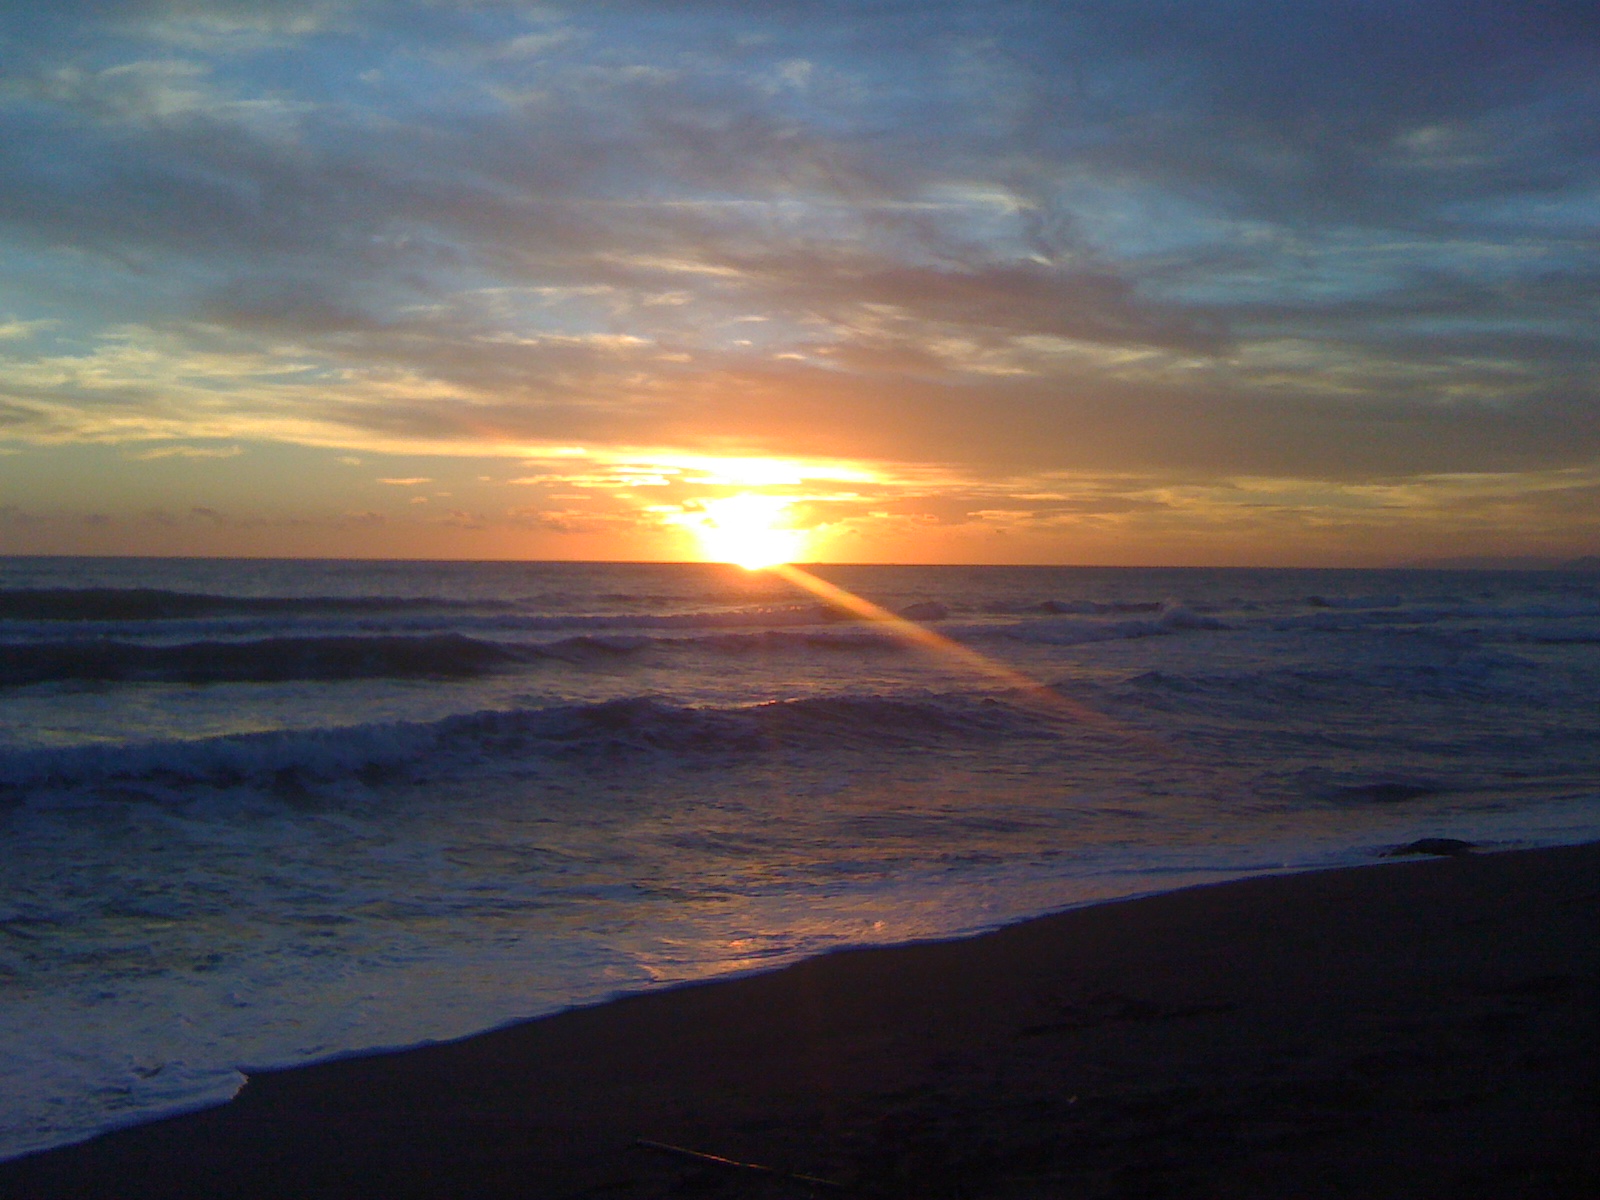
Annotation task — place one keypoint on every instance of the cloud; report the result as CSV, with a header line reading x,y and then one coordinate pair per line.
x,y
572,521
1199,241
12,330
159,452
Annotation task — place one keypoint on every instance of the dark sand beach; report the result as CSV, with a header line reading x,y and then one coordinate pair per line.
x,y
1424,1028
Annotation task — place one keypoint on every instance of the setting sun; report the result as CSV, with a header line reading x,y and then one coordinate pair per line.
x,y
746,529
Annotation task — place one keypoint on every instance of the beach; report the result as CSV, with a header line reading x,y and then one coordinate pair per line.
x,y
1417,1028
902,600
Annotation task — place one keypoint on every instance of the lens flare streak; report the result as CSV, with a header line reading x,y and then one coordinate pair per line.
x,y
1036,694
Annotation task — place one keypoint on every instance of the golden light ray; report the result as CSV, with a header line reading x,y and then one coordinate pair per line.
x,y
1036,693
748,530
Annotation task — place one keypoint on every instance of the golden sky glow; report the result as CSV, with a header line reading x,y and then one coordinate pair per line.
x,y
559,281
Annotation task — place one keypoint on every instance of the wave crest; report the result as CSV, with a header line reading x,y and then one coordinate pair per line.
x,y
268,660
154,604
375,753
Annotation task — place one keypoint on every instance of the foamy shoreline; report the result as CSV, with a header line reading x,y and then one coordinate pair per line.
x,y
1215,1035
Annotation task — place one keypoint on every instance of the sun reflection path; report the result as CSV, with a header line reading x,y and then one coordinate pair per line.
x,y
1035,694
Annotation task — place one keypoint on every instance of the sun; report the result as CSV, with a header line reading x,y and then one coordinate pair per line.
x,y
746,529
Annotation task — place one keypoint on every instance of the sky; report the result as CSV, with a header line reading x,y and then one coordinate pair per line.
x,y
1233,282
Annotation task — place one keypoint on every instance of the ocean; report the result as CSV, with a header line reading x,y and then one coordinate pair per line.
x,y
259,813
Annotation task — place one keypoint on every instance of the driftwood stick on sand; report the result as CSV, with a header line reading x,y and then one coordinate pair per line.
x,y
718,1160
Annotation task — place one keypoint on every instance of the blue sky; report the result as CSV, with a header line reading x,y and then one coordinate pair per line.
x,y
1141,281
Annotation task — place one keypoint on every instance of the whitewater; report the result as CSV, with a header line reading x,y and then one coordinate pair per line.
x,y
259,813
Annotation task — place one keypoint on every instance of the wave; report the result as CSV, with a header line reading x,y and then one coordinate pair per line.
x,y
1554,637
780,616
781,640
270,660
382,752
283,616
1391,667
422,649
152,604
1064,632
1324,612
343,657
1353,602
1097,607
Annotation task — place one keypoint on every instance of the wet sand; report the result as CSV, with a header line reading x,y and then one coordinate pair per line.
x,y
1423,1028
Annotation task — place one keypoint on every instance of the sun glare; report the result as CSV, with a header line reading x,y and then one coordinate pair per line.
x,y
746,529
759,472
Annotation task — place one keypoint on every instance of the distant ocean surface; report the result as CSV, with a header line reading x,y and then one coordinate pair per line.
x,y
257,813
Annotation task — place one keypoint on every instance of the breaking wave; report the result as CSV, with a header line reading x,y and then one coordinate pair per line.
x,y
380,752
270,660
455,655
152,604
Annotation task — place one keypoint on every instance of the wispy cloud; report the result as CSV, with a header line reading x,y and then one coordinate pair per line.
x,y
1238,242
182,451
12,330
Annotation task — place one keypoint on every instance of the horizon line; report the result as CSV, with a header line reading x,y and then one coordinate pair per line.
x,y
1465,562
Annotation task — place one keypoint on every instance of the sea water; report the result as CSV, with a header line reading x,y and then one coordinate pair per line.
x,y
257,813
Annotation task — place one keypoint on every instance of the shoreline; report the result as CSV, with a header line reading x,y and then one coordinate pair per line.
x,y
1427,1029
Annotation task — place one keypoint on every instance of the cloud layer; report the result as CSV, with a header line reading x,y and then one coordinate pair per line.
x,y
1239,281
